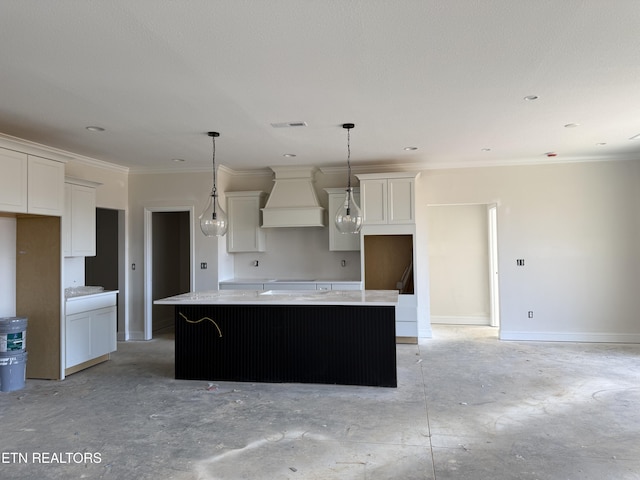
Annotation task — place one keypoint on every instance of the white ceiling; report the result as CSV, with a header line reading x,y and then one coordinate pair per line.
x,y
448,77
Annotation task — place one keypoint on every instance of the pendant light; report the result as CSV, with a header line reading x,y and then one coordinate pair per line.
x,y
349,217
213,220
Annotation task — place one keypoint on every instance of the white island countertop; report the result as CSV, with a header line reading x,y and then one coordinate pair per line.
x,y
285,297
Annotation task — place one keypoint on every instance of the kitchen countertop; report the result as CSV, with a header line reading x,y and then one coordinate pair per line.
x,y
79,293
285,297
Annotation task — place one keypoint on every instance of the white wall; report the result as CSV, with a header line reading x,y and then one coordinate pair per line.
x,y
578,229
458,244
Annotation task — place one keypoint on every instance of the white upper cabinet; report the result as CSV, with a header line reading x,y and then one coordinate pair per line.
x,y
13,181
243,209
388,198
79,219
30,184
45,191
341,241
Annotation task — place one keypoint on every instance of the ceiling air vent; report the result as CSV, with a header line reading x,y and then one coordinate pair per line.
x,y
289,124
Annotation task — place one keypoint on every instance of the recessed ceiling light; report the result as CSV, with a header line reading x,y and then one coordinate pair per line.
x,y
635,137
177,160
601,144
289,155
531,97
485,149
572,125
93,128
410,149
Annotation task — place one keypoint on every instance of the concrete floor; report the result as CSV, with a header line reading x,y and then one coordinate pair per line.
x,y
467,407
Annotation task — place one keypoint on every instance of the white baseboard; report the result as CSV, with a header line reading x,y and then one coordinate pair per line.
x,y
424,331
601,337
135,336
460,320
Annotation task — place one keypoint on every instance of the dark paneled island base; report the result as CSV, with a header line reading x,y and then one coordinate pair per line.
x,y
331,344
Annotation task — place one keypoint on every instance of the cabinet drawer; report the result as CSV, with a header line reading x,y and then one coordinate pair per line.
x,y
90,302
346,286
290,286
241,286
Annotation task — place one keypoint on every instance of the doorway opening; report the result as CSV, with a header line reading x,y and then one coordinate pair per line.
x,y
463,273
169,261
107,268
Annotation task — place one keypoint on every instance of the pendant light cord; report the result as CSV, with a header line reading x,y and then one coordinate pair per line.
x,y
349,159
214,190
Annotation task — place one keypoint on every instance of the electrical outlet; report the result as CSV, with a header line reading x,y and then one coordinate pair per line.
x,y
530,314
203,265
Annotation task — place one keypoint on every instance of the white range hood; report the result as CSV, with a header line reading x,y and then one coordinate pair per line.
x,y
293,201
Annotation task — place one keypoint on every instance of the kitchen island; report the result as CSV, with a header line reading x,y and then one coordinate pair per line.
x,y
332,337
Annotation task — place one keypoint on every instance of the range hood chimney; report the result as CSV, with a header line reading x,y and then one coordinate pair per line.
x,y
293,201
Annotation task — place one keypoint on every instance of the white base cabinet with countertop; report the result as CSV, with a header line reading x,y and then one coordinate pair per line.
x,y
90,330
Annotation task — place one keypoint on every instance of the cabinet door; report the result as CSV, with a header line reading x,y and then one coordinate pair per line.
x,y
401,200
341,241
374,201
78,338
65,221
13,181
103,331
83,221
45,186
245,234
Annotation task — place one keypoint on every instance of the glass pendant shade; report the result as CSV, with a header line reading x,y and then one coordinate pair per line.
x,y
213,220
349,217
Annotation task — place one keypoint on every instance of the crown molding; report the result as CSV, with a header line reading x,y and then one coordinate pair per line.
x,y
39,150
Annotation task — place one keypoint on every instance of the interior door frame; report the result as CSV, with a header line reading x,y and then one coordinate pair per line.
x,y
494,290
148,258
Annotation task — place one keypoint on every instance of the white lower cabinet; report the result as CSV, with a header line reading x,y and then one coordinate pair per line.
x,y
78,345
344,285
339,286
91,329
406,316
